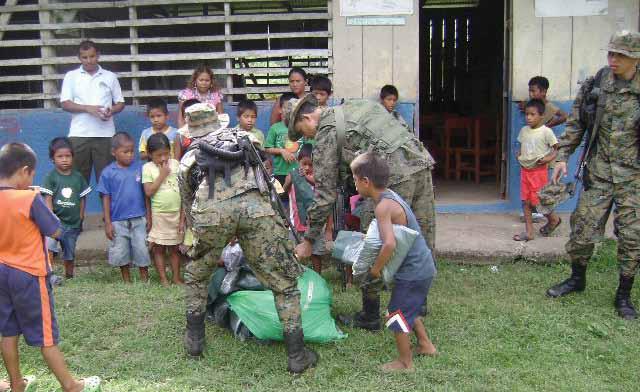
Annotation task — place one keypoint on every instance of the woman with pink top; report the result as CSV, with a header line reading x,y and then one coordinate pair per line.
x,y
202,87
297,84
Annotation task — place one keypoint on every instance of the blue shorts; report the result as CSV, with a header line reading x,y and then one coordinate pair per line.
x,y
67,241
129,245
26,307
408,298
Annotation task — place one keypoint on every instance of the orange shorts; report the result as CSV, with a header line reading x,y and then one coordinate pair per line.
x,y
531,181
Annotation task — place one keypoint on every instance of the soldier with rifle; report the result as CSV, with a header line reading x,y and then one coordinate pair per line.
x,y
226,193
607,111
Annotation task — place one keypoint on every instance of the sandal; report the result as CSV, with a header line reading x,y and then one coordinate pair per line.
x,y
91,384
547,230
522,237
29,380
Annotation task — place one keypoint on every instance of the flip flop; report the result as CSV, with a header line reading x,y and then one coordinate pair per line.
x,y
522,237
91,384
547,230
29,380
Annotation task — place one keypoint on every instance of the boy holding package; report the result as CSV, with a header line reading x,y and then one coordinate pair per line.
x,y
414,276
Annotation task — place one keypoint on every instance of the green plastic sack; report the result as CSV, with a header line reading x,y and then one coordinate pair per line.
x,y
257,310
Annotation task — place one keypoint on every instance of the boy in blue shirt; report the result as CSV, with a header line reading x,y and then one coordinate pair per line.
x,y
126,217
414,276
159,116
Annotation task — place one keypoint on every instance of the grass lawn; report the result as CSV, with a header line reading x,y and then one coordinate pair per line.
x,y
494,330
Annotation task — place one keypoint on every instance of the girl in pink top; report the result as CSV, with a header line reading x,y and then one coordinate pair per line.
x,y
202,87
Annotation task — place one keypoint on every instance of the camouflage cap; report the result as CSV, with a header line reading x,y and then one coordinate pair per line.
x,y
625,42
290,110
202,119
552,195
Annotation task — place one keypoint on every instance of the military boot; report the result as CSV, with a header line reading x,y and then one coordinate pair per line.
x,y
576,282
194,335
623,303
299,358
369,318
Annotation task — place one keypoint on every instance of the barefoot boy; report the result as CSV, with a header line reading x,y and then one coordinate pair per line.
x,y
414,277
26,303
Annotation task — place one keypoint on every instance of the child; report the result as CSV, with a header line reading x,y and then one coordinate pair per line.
x,y
389,99
126,218
414,276
282,149
26,297
202,87
538,147
184,137
247,115
160,181
321,89
552,116
159,115
65,191
299,183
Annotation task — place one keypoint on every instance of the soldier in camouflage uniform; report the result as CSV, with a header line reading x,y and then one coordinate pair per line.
x,y
365,126
238,206
612,174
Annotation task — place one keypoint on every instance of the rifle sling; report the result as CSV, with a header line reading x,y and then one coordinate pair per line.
x,y
340,130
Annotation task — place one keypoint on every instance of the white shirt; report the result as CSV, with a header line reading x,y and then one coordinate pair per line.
x,y
101,88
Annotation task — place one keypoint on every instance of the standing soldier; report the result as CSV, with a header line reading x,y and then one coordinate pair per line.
x,y
341,133
224,196
612,172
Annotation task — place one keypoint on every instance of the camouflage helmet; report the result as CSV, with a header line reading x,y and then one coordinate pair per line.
x,y
625,42
202,119
552,195
290,111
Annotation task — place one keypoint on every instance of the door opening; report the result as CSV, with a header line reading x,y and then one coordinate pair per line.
x,y
463,76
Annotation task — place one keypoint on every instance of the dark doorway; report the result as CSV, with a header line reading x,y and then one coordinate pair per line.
x,y
462,68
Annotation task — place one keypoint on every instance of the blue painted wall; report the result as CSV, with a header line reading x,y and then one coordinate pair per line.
x,y
38,126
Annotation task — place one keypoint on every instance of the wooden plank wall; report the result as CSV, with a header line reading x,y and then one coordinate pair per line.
x,y
564,49
365,58
271,32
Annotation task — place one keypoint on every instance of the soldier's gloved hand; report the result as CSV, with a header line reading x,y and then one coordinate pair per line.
x,y
559,171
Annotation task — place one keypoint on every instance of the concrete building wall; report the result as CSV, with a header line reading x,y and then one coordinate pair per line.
x,y
365,58
564,49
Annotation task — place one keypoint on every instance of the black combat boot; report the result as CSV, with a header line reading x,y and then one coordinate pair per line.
x,y
299,358
576,282
369,318
194,334
623,303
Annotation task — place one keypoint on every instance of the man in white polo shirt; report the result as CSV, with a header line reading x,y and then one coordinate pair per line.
x,y
93,95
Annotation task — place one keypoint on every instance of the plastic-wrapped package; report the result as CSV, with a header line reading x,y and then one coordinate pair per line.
x,y
232,256
347,246
405,237
229,282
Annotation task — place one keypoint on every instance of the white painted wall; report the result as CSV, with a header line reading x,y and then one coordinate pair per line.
x,y
564,49
365,58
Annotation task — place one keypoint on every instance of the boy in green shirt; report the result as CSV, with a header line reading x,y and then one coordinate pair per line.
x,y
65,192
279,145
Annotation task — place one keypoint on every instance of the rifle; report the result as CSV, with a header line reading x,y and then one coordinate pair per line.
x,y
255,160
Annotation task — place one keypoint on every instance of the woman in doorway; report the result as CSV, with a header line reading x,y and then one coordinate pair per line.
x,y
297,84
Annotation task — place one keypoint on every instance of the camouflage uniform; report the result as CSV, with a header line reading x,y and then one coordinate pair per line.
x,y
410,176
613,174
410,167
238,207
241,211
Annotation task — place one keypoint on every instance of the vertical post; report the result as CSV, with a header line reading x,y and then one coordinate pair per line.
x,y
133,48
49,86
227,51
330,39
